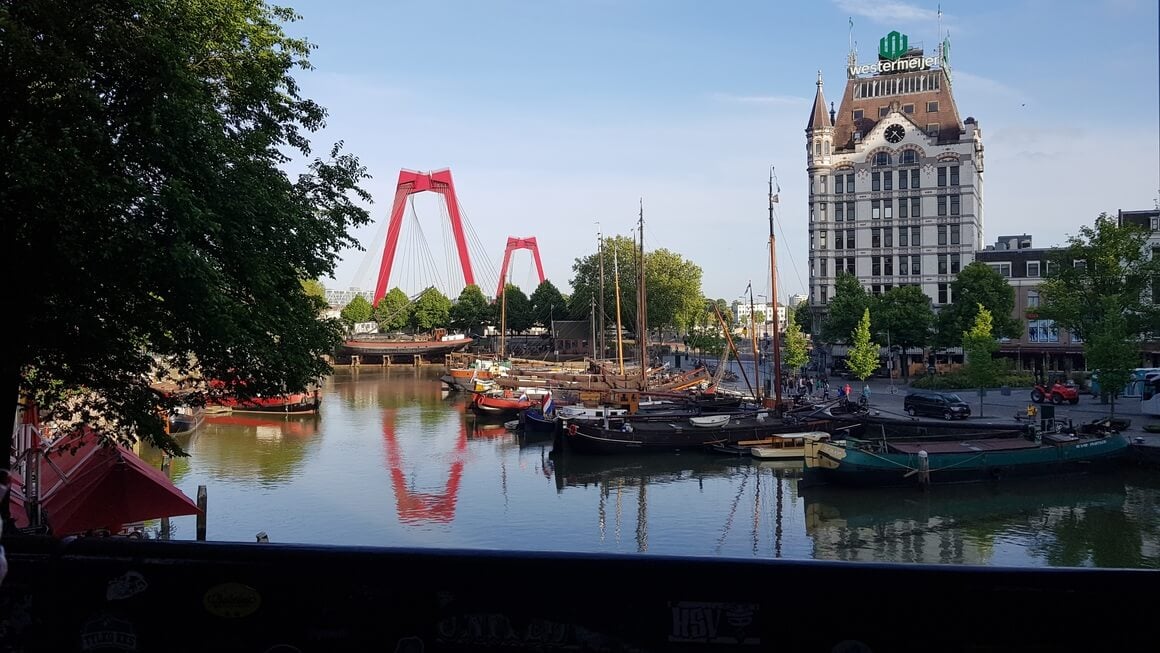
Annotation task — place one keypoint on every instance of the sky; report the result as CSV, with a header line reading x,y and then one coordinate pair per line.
x,y
561,119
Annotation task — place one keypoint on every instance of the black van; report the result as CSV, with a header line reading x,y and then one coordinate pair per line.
x,y
946,405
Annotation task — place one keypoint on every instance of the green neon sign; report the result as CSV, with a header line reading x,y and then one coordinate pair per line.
x,y
893,45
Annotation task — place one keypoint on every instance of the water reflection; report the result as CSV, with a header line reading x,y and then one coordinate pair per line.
x,y
412,504
270,449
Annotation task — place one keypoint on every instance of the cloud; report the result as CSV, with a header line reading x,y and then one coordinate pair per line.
x,y
761,99
888,12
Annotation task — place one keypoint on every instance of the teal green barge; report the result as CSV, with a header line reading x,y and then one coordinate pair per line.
x,y
885,463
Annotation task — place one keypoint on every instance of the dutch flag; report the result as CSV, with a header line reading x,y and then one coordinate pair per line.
x,y
548,406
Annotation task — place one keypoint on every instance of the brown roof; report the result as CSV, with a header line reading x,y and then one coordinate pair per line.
x,y
947,116
818,117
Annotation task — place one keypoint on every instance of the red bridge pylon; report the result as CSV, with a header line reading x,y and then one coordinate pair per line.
x,y
518,243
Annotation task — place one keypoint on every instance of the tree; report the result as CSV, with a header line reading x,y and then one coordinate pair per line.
x,y
517,312
804,316
978,285
846,309
314,288
979,346
904,318
796,352
548,304
863,359
357,310
393,312
431,309
1104,261
143,147
674,290
471,311
1112,348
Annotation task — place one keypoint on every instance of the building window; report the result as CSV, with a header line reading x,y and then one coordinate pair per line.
x,y
903,204
943,292
824,179
850,183
942,263
850,265
908,157
838,184
825,292
838,239
822,239
1052,267
1032,299
914,178
888,180
822,207
954,175
902,178
888,237
915,266
826,151
839,214
1004,269
1033,271
954,264
875,181
823,266
876,237
908,108
954,204
887,209
916,236
850,239
858,114
888,266
902,237
1042,331
850,215
883,112
955,234
875,266
876,290
932,129
1079,264
942,206
875,210
882,159
942,240
931,107
942,176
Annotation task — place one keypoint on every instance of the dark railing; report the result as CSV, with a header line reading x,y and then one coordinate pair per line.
x,y
109,594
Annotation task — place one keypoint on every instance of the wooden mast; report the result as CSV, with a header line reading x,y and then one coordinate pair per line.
x,y
616,284
502,319
756,352
642,308
776,373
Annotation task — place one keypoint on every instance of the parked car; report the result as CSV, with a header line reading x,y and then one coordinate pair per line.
x,y
946,405
1056,394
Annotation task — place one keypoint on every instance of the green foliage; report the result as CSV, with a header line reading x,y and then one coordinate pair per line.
x,y
959,380
471,311
863,359
1116,266
795,352
431,309
906,315
977,285
674,290
144,152
314,288
979,346
1112,348
357,310
549,304
845,310
518,309
804,316
393,312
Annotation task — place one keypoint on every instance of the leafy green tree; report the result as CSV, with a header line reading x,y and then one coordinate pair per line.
x,y
795,353
471,311
674,290
393,312
357,310
548,304
904,318
1112,348
845,310
804,316
979,345
978,285
1115,264
518,312
144,146
431,309
863,359
314,288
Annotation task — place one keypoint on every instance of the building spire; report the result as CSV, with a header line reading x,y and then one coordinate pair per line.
x,y
818,117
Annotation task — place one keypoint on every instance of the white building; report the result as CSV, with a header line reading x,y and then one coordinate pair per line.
x,y
895,177
763,315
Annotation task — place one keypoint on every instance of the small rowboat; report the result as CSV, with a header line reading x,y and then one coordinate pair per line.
x,y
710,421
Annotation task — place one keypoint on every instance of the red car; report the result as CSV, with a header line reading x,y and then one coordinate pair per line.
x,y
1057,393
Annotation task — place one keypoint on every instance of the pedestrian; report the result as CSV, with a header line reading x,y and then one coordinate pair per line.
x,y
846,390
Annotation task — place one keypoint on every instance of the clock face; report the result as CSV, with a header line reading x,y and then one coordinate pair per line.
x,y
894,133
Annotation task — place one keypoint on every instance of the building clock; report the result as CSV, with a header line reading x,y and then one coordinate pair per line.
x,y
894,133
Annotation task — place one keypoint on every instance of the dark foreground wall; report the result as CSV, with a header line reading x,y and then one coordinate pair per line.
x,y
104,594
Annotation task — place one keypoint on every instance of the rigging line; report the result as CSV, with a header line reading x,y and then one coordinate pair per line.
x,y
429,261
732,513
781,227
480,252
370,256
449,254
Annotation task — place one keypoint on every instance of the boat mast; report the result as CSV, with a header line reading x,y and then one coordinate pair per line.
x,y
753,341
642,307
600,253
776,373
616,284
502,318
592,301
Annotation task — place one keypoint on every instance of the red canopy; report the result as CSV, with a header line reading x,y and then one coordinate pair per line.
x,y
86,486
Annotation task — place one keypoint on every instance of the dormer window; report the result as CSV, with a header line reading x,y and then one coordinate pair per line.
x,y
857,137
858,114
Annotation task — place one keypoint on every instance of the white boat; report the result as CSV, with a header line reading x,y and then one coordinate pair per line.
x,y
710,421
787,446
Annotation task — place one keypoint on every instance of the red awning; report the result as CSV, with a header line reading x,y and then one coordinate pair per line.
x,y
88,486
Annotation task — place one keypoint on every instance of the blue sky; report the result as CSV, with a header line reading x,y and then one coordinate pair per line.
x,y
557,115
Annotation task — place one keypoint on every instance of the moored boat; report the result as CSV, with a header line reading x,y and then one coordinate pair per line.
x,y
677,434
290,403
437,343
495,405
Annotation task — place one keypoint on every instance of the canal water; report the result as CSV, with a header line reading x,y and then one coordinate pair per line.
x,y
393,460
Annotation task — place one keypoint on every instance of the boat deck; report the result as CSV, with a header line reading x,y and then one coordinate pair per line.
x,y
968,446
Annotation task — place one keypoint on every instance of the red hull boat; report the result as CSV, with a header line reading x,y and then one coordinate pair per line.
x,y
499,405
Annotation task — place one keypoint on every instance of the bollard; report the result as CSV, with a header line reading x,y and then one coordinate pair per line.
x,y
202,502
923,468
